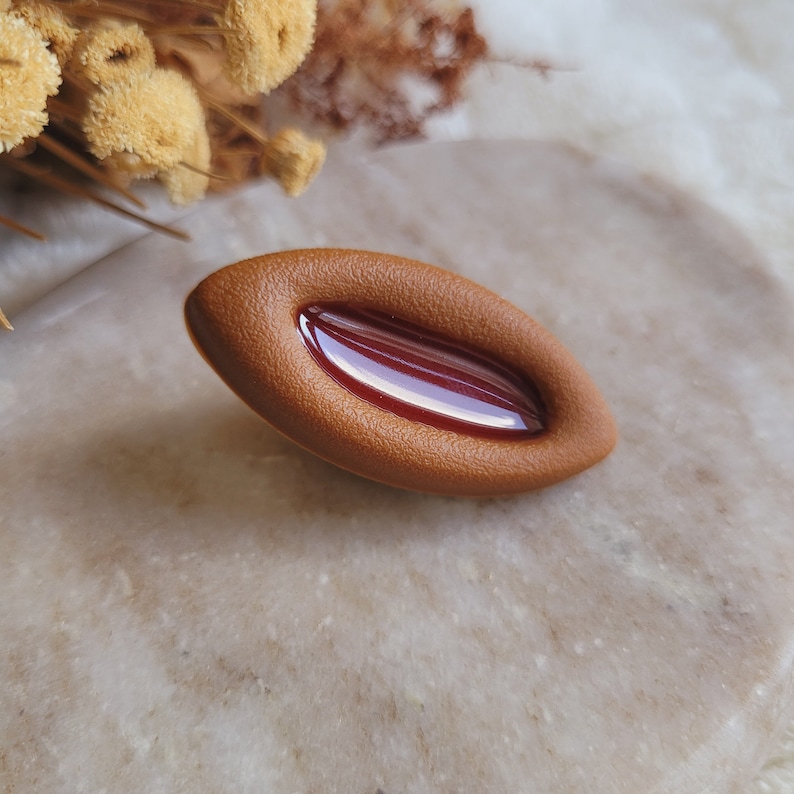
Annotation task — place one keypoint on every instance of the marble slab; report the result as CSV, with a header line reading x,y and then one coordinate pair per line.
x,y
192,603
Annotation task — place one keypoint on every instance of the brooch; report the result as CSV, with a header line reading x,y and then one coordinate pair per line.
x,y
400,371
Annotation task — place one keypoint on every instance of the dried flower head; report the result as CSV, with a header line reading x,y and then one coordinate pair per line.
x,y
189,179
52,26
269,40
294,160
146,124
29,73
107,54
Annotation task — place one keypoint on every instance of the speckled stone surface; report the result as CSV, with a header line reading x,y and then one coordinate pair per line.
x,y
193,603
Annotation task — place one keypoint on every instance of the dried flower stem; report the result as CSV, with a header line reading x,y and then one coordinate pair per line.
x,y
18,227
186,30
65,186
208,174
4,322
63,111
246,126
81,164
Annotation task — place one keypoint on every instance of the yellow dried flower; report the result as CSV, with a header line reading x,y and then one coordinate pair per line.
x,y
29,73
186,185
294,160
271,39
108,54
52,26
4,323
146,124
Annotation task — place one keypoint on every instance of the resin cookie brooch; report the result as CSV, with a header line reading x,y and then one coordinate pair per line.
x,y
401,372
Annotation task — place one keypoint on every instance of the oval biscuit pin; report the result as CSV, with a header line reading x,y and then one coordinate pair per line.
x,y
400,371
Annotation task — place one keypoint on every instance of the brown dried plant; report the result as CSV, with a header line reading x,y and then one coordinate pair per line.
x,y
386,65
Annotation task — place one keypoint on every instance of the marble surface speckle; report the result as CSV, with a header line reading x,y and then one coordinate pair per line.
x,y
193,603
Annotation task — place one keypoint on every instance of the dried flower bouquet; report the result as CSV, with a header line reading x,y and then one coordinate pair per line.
x,y
138,90
106,92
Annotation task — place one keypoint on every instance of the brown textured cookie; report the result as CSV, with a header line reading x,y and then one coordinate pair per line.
x,y
244,319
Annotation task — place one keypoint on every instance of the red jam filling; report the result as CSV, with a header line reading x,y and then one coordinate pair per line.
x,y
420,375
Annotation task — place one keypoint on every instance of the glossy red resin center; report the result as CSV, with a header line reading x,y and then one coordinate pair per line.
x,y
419,375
